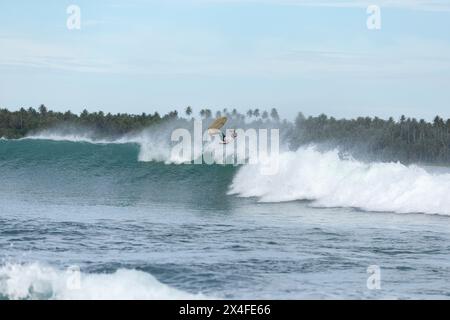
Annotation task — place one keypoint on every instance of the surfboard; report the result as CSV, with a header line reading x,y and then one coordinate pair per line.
x,y
218,123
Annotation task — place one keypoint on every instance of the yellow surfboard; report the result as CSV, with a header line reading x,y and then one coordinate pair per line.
x,y
218,123
214,128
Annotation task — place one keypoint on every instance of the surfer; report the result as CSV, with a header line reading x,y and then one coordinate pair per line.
x,y
224,137
214,129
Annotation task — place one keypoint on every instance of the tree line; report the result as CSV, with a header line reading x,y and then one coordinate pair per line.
x,y
18,124
407,139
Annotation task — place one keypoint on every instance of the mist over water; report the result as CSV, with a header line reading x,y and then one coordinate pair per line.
x,y
141,225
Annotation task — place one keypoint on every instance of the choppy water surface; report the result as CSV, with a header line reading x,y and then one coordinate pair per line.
x,y
144,229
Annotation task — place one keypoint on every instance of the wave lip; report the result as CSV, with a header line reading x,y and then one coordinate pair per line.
x,y
36,281
73,137
328,181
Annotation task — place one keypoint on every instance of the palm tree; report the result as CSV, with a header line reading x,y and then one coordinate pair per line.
x,y
265,115
274,114
42,109
188,111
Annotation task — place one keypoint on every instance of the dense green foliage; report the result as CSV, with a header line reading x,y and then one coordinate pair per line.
x,y
406,140
20,123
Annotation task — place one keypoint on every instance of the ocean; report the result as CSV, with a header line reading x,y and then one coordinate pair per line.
x,y
84,219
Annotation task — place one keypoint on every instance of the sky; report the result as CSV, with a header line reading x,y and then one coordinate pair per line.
x,y
296,55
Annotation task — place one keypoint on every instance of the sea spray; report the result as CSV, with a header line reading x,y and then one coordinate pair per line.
x,y
323,177
329,181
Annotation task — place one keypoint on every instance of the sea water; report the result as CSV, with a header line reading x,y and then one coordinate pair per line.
x,y
139,226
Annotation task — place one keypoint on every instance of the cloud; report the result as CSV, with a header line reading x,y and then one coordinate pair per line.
x,y
428,5
183,55
310,63
18,52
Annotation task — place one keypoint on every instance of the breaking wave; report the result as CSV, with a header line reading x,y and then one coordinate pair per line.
x,y
329,181
323,178
36,281
154,144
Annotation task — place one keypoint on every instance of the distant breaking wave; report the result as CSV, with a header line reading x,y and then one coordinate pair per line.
x,y
87,137
154,144
328,181
36,281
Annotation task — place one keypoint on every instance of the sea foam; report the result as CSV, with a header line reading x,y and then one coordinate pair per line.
x,y
329,181
37,281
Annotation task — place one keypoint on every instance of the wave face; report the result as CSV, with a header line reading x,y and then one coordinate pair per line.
x,y
154,143
328,181
36,281
306,174
68,172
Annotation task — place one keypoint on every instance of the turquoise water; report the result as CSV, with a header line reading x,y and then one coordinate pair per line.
x,y
161,230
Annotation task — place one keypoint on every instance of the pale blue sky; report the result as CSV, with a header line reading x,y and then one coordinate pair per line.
x,y
297,55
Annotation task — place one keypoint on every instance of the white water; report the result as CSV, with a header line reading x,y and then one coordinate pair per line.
x,y
329,181
35,281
